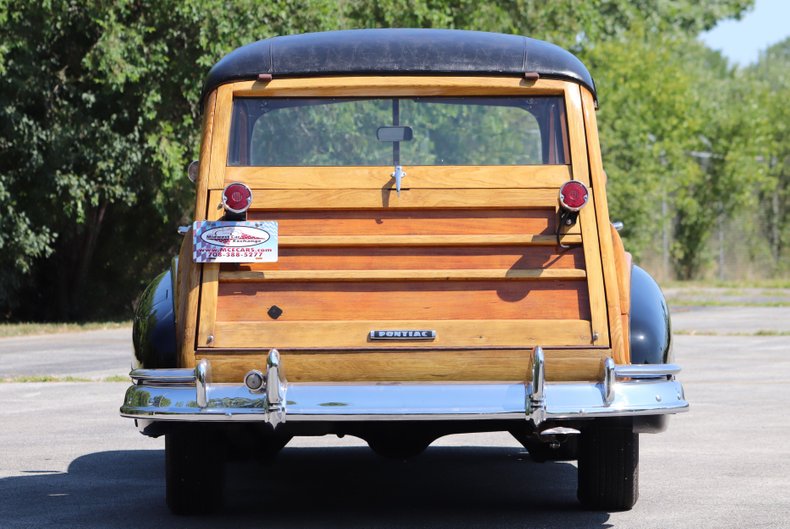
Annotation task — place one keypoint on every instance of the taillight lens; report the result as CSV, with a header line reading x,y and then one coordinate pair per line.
x,y
573,195
236,197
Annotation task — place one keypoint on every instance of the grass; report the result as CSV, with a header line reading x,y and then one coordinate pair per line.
x,y
770,285
52,378
761,332
31,329
678,302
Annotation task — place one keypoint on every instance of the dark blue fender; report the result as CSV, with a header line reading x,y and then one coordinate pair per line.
x,y
154,330
651,330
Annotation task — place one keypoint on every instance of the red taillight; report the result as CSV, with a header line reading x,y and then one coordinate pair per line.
x,y
573,195
236,197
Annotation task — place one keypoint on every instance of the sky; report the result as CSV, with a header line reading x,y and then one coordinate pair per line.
x,y
742,40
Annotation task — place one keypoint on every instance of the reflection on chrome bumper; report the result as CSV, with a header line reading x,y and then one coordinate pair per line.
x,y
189,395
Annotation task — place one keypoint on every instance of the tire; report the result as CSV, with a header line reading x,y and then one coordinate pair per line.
x,y
608,468
194,461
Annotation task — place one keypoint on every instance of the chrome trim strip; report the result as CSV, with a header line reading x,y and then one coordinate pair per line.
x,y
163,376
646,370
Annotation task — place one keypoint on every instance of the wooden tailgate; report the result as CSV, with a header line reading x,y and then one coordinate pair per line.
x,y
468,252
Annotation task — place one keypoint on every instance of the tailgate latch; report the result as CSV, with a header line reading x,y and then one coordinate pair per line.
x,y
398,176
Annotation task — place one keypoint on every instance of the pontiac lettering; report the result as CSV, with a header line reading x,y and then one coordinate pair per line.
x,y
402,335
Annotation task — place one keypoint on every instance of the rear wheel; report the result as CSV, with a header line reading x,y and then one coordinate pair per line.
x,y
608,467
194,460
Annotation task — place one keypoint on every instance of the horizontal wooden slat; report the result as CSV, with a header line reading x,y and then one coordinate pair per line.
x,y
541,221
453,333
400,85
386,275
425,240
417,300
406,85
382,366
417,177
423,258
409,198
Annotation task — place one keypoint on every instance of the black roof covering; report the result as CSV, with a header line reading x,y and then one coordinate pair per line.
x,y
398,52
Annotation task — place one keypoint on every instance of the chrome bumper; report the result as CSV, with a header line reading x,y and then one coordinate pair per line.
x,y
189,395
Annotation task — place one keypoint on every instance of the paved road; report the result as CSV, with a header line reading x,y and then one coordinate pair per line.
x,y
84,354
68,460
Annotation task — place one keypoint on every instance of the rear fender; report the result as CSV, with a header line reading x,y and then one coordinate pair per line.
x,y
154,329
650,326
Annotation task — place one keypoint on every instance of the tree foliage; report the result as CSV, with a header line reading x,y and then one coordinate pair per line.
x,y
770,81
100,113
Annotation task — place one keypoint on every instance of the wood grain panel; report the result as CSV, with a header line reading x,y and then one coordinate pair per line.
x,y
190,272
430,366
587,219
608,246
219,146
424,240
279,199
424,258
208,295
473,300
414,222
396,85
187,281
500,274
354,333
417,177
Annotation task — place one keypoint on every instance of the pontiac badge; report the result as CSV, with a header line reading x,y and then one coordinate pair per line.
x,y
402,335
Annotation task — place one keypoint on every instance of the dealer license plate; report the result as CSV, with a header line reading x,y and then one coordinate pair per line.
x,y
234,241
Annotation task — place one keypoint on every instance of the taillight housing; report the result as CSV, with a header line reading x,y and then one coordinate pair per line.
x,y
236,198
573,195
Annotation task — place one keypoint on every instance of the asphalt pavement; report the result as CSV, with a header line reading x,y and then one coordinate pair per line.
x,y
68,460
90,354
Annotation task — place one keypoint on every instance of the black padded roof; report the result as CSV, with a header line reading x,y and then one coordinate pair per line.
x,y
398,52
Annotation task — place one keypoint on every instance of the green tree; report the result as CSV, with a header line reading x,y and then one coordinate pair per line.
x,y
99,116
770,80
100,113
572,24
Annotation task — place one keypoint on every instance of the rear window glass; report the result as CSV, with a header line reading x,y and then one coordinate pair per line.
x,y
398,131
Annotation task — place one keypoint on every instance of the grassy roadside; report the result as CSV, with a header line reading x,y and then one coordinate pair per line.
x,y
759,332
768,284
51,378
771,294
31,329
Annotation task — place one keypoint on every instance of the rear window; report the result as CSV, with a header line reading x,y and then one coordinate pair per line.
x,y
398,131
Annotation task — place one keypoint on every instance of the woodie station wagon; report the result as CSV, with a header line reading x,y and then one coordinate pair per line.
x,y
398,235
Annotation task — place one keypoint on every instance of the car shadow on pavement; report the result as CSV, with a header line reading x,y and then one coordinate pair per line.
x,y
311,487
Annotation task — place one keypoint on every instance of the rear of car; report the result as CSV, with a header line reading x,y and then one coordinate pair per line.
x,y
401,257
